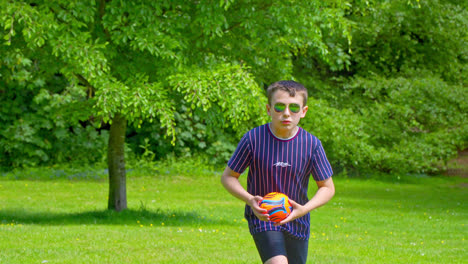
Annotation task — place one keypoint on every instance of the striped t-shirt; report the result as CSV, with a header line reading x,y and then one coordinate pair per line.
x,y
277,165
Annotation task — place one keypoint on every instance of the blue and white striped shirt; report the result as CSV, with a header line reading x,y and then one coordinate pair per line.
x,y
277,165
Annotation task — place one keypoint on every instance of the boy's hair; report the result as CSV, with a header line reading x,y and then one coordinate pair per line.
x,y
290,87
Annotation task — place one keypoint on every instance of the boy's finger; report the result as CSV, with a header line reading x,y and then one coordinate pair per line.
x,y
284,221
293,203
263,217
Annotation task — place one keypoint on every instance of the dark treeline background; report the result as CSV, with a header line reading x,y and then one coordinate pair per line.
x,y
387,79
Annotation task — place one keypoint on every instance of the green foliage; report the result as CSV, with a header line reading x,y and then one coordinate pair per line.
x,y
412,123
41,127
221,150
387,78
398,100
133,57
220,86
198,133
397,36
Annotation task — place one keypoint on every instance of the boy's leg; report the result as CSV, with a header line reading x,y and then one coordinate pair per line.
x,y
270,244
296,249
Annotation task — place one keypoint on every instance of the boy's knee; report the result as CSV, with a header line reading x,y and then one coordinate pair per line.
x,y
277,260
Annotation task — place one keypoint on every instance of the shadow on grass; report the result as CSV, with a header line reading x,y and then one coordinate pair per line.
x,y
107,217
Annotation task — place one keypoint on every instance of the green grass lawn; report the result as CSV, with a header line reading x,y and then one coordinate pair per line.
x,y
179,219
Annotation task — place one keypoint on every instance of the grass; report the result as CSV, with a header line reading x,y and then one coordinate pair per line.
x,y
191,219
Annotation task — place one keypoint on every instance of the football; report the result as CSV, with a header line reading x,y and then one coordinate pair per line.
x,y
278,206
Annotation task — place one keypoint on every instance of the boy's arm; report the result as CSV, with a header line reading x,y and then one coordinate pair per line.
x,y
326,190
230,181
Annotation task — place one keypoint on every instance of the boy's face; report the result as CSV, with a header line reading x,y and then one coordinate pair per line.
x,y
284,122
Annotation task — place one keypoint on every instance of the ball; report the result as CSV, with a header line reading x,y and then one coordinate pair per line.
x,y
278,206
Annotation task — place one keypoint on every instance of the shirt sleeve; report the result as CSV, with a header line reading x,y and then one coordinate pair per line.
x,y
241,158
321,168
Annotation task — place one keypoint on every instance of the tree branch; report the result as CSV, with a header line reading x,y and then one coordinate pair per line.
x,y
91,89
102,12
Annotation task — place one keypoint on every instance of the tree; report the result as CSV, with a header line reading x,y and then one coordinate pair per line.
x,y
121,62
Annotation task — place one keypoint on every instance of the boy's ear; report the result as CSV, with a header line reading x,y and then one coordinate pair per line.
x,y
268,107
304,111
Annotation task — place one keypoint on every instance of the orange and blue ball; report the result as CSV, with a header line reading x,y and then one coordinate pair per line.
x,y
278,206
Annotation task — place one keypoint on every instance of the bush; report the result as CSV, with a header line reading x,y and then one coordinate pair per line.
x,y
403,124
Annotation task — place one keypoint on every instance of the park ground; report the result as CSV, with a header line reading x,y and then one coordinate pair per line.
x,y
192,219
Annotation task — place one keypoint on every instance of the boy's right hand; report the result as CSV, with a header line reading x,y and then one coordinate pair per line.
x,y
259,212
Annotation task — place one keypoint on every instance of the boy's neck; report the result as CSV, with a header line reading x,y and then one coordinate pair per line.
x,y
284,135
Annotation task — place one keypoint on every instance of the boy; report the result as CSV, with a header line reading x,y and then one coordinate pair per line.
x,y
281,156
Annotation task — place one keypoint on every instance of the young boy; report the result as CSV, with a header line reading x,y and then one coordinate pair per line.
x,y
281,156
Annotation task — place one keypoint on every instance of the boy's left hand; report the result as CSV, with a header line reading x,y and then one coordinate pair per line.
x,y
298,211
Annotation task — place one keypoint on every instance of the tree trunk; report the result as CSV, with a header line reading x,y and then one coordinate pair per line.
x,y
116,162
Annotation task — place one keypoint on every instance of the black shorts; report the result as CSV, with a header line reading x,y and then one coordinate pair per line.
x,y
275,243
